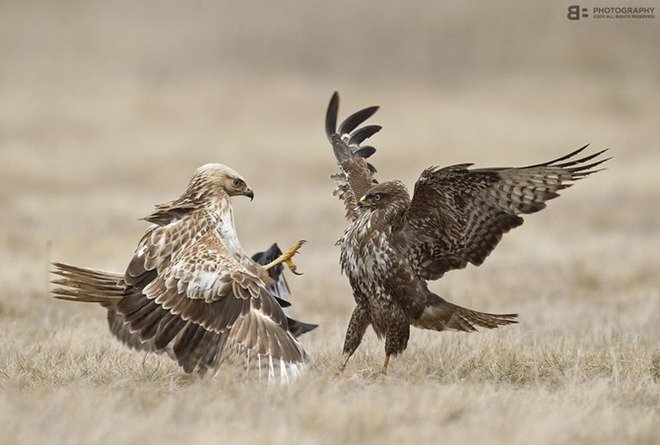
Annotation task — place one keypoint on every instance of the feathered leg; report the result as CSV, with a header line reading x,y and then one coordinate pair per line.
x,y
396,340
358,324
385,363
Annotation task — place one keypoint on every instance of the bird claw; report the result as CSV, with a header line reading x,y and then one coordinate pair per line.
x,y
287,258
292,266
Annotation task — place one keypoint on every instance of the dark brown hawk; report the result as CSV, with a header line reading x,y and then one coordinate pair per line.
x,y
192,292
457,215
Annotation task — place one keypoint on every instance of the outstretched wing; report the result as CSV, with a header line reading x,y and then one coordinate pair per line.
x,y
457,215
200,304
122,331
356,175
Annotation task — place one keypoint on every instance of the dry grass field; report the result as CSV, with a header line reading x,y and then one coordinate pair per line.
x,y
108,108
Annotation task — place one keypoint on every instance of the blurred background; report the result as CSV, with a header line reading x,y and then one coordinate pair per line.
x,y
108,107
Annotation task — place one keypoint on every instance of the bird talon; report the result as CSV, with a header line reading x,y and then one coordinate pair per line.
x,y
292,267
287,258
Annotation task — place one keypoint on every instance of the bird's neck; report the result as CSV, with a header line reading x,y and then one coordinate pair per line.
x,y
221,206
394,211
389,216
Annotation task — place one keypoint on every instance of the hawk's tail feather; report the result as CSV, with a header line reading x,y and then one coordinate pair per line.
x,y
468,320
87,285
441,315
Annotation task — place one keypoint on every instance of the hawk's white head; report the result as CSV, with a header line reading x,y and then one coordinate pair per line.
x,y
218,180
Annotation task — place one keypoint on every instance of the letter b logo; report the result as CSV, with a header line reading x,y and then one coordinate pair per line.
x,y
573,12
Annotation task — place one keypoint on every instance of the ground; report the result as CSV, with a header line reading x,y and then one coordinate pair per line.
x,y
91,139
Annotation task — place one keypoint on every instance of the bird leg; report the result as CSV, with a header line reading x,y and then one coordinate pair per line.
x,y
342,365
287,258
385,363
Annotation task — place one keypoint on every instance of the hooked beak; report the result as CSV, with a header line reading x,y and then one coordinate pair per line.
x,y
249,193
362,202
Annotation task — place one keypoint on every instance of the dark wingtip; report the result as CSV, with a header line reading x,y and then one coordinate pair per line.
x,y
354,120
584,170
581,160
299,328
590,172
282,302
364,133
365,152
561,158
266,257
331,116
307,327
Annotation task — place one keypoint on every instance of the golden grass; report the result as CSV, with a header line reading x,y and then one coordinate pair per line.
x,y
95,130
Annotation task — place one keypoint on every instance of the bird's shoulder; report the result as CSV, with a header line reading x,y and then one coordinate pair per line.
x,y
190,242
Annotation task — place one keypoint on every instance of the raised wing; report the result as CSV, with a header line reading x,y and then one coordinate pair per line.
x,y
457,215
356,175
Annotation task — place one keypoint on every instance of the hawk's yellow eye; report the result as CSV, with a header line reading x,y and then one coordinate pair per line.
x,y
238,183
376,197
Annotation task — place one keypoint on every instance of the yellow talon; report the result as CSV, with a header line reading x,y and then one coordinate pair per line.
x,y
287,258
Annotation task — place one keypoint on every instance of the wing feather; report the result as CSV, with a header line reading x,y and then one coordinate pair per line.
x,y
355,119
356,175
192,299
458,215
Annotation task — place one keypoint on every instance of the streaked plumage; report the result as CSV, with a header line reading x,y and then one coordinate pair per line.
x,y
191,291
457,215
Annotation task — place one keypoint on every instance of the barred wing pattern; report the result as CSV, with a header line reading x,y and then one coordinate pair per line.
x,y
393,244
184,294
458,215
122,331
356,175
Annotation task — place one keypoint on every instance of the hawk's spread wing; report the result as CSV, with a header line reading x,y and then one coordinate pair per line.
x,y
458,215
356,176
189,296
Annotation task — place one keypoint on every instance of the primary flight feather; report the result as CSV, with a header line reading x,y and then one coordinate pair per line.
x,y
192,292
457,215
